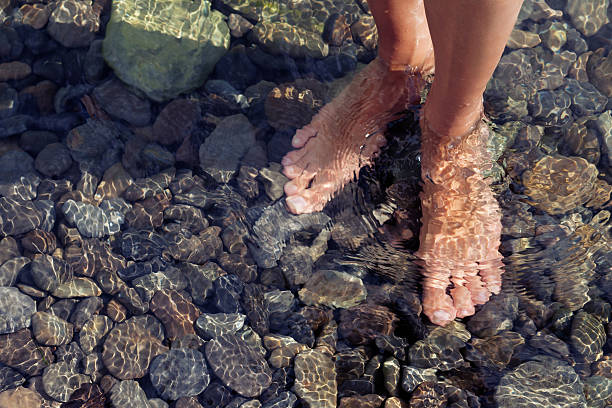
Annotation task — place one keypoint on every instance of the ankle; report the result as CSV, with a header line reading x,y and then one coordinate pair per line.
x,y
448,121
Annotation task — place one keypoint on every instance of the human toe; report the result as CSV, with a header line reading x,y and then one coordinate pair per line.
x,y
463,301
296,204
302,135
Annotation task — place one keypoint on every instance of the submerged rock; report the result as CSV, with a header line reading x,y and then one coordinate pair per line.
x,y
588,16
164,48
333,289
559,184
221,152
315,379
546,382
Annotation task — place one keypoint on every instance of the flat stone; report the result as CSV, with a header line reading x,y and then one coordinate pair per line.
x,y
128,393
96,144
73,23
239,365
541,383
50,330
16,310
39,241
175,311
273,180
18,216
93,331
149,284
60,380
186,364
53,160
555,198
363,323
120,103
176,121
20,397
9,271
315,379
210,326
15,70
19,351
333,289
495,351
224,147
128,350
192,38
9,378
92,221
587,17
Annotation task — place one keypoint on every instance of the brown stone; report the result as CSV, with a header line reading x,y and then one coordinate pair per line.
x,y
113,183
129,349
176,121
39,241
428,395
175,311
19,351
116,311
336,30
44,94
362,401
363,323
14,70
365,32
35,15
292,105
20,397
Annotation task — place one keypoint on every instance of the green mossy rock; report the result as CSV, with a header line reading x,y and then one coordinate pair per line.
x,y
164,47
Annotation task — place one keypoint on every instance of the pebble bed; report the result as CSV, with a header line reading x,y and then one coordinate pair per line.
x,y
147,259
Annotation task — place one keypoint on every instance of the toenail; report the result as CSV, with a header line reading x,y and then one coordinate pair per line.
x,y
298,203
464,312
442,316
290,189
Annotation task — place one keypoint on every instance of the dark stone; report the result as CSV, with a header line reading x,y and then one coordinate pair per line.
x,y
34,141
236,68
14,125
94,65
9,378
255,307
11,45
120,103
18,216
50,67
228,289
188,365
53,160
294,325
216,396
239,365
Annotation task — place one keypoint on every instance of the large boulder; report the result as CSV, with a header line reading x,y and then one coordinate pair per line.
x,y
164,48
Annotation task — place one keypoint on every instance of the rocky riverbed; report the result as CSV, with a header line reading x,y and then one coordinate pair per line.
x,y
147,259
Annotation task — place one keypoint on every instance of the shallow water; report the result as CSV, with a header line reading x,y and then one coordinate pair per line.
x,y
144,237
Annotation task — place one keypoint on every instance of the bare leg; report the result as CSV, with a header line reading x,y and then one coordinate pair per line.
x,y
461,219
347,133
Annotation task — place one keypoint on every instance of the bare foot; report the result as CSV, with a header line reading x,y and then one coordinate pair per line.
x,y
461,230
346,134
